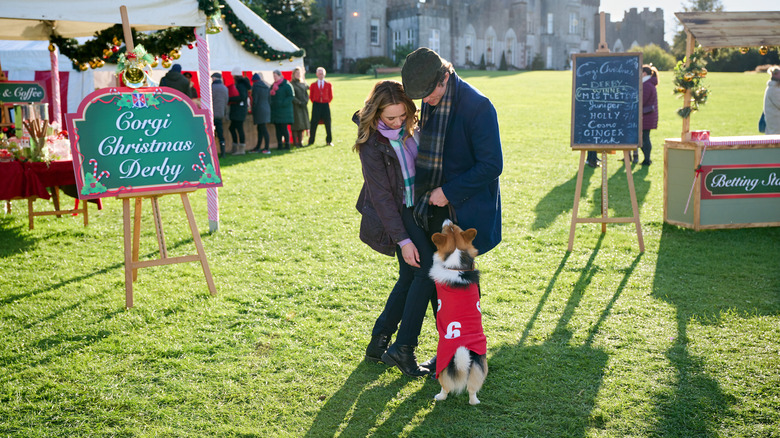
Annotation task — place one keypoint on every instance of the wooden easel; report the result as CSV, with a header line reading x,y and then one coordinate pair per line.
x,y
605,219
131,242
132,264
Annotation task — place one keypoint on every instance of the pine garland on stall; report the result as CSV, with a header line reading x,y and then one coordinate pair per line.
x,y
690,78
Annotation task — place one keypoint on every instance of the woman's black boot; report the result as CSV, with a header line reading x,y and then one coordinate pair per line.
x,y
402,356
377,347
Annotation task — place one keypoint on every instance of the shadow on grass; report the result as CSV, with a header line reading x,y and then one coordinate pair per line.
x,y
553,391
703,275
617,188
352,410
559,200
48,288
233,160
14,240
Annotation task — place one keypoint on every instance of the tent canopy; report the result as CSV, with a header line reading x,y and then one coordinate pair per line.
x,y
732,29
35,19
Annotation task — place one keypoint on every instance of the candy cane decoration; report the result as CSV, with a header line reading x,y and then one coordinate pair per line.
x,y
105,172
202,167
94,167
204,76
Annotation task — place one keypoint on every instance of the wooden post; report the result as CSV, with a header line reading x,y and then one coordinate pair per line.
x,y
126,29
686,127
603,47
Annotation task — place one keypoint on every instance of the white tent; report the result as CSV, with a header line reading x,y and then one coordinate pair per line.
x,y
23,58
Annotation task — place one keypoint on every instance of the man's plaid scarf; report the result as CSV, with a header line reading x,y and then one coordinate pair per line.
x,y
431,150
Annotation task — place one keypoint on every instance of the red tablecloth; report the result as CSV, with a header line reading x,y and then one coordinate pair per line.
x,y
22,180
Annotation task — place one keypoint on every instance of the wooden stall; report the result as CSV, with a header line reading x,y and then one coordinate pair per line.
x,y
723,182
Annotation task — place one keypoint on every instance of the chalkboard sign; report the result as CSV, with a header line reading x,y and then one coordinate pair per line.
x,y
127,140
606,101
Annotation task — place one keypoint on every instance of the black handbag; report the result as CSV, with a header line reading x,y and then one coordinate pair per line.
x,y
762,123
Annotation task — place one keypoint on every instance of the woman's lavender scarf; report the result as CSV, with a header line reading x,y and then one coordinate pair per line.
x,y
407,153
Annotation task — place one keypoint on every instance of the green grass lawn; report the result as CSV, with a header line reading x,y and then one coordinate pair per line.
x,y
680,341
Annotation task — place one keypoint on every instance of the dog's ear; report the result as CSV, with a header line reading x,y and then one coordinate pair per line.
x,y
469,235
439,239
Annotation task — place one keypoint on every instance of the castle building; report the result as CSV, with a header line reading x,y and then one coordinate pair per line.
x,y
636,29
544,33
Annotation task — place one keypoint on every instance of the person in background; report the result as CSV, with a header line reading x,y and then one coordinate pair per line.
x,y
649,112
176,80
281,109
239,107
219,100
593,159
387,147
261,113
321,94
772,101
300,106
460,157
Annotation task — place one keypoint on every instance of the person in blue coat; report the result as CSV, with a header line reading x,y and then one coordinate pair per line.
x,y
460,156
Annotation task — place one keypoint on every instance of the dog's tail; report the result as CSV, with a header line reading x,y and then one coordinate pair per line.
x,y
462,360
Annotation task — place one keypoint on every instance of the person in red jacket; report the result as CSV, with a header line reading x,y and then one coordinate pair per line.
x,y
320,93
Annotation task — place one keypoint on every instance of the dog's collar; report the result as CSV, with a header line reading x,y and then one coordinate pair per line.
x,y
473,268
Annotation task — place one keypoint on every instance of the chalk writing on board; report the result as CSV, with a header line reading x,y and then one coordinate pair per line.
x,y
606,100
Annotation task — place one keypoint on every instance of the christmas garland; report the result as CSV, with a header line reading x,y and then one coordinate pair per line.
x,y
252,42
689,78
163,44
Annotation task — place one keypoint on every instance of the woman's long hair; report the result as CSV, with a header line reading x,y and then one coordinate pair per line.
x,y
384,94
650,70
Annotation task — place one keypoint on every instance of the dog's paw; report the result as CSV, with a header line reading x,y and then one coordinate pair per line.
x,y
473,400
440,396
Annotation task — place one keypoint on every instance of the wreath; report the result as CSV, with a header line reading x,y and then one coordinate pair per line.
x,y
689,78
163,44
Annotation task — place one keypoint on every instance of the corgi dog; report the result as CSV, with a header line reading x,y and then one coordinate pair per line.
x,y
461,361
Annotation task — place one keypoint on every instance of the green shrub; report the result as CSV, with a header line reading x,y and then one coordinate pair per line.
x,y
363,65
652,54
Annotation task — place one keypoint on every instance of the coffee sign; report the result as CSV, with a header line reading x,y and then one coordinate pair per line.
x,y
22,92
731,181
127,140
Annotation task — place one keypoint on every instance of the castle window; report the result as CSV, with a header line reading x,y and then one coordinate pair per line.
x,y
339,29
573,23
433,40
374,32
550,28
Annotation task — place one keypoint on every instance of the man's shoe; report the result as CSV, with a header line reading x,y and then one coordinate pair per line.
x,y
592,164
647,162
402,356
266,151
330,143
430,365
377,347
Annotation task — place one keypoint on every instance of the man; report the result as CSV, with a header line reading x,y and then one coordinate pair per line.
x,y
320,93
460,155
219,100
174,79
772,101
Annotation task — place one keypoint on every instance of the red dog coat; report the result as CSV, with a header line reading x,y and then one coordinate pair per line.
x,y
459,320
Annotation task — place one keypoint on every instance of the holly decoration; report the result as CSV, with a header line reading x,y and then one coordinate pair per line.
x,y
689,78
163,43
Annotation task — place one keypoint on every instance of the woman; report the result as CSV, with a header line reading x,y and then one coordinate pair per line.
x,y
300,106
649,111
387,149
261,113
281,109
238,111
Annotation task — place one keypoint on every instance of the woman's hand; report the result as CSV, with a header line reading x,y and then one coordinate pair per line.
x,y
411,256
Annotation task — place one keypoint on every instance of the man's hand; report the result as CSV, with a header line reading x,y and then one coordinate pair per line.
x,y
437,198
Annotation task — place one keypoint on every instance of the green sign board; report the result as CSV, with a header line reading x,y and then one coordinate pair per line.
x,y
142,140
22,92
740,181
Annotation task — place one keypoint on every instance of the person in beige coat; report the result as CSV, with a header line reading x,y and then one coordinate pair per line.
x,y
772,101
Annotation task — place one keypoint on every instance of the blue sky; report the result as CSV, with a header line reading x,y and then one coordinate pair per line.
x,y
617,8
